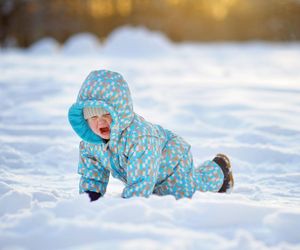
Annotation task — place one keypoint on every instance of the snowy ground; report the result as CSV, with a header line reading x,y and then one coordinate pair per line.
x,y
240,99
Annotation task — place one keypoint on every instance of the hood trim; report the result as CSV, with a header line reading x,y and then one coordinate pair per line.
x,y
81,127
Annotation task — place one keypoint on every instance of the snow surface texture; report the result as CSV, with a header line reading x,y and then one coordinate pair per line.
x,y
239,99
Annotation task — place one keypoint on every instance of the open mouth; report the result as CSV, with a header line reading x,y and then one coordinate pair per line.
x,y
104,130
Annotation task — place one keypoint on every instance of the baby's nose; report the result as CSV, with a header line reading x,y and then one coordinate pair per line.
x,y
101,122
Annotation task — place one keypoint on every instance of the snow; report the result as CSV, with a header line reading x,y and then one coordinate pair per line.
x,y
240,99
46,45
82,43
136,42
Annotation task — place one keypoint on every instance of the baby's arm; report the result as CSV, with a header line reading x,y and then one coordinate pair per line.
x,y
94,177
142,168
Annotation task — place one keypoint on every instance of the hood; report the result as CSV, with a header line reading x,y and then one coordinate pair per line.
x,y
108,90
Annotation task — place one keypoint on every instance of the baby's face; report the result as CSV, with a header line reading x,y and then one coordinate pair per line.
x,y
100,125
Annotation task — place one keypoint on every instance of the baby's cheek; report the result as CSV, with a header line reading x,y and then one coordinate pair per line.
x,y
93,127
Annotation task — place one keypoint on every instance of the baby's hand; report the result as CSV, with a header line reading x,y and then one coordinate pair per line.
x,y
93,195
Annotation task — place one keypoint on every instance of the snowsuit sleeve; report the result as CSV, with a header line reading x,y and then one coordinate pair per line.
x,y
142,167
94,177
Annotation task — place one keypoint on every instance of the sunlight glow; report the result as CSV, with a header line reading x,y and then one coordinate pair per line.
x,y
221,8
218,9
101,8
124,7
174,2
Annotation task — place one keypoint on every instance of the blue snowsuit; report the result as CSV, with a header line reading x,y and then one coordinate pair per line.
x,y
146,157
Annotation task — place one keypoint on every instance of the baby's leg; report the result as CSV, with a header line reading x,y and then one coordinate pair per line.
x,y
180,183
209,177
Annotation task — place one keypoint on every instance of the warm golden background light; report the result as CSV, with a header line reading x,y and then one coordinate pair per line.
x,y
181,20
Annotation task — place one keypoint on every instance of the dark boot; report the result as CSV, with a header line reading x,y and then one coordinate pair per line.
x,y
224,163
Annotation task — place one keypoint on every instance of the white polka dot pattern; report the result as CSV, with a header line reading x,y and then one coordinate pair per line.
x,y
146,157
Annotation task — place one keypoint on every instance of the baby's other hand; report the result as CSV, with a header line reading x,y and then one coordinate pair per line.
x,y
93,195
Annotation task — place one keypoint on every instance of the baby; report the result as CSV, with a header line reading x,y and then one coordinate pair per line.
x,y
146,157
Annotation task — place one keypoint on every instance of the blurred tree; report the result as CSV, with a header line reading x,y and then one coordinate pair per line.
x,y
8,8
